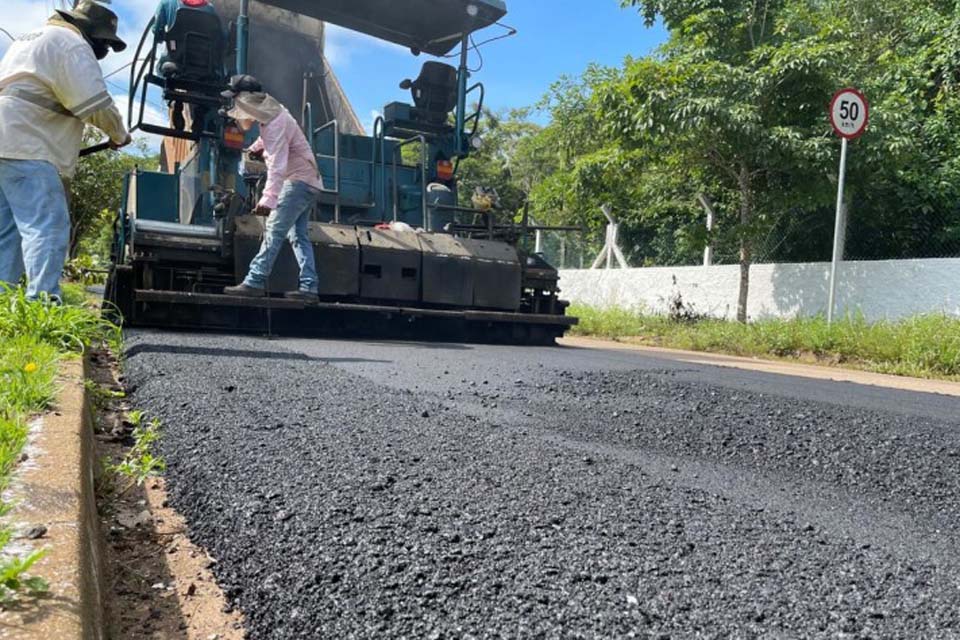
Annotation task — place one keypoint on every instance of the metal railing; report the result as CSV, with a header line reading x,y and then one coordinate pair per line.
x,y
474,118
423,178
379,141
335,125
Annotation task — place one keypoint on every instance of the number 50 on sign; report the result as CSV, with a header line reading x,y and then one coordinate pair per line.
x,y
849,113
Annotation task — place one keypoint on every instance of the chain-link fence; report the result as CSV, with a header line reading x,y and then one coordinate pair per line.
x,y
795,237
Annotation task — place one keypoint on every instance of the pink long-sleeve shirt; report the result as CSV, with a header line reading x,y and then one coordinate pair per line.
x,y
288,156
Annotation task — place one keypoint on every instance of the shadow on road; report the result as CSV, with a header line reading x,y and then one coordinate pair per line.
x,y
217,352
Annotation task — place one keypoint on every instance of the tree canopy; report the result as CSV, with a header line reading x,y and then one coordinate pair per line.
x,y
731,115
95,193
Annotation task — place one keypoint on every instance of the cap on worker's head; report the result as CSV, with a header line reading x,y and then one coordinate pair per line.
x,y
259,106
242,83
96,21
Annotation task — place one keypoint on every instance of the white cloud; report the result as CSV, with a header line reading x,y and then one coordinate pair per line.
x,y
152,115
342,43
368,125
20,17
23,16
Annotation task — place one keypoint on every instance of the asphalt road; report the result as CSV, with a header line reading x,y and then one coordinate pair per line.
x,y
387,490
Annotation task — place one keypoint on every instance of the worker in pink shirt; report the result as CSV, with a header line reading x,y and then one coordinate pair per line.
x,y
292,189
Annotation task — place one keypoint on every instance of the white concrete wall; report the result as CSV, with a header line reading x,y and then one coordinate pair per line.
x,y
888,289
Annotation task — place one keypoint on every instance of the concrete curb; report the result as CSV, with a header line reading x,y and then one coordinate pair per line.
x,y
55,489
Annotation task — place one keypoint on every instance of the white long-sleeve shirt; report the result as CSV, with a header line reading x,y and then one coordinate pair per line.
x,y
50,86
288,156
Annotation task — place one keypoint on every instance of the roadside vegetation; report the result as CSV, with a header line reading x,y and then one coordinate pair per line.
x,y
95,198
140,462
729,118
923,346
34,339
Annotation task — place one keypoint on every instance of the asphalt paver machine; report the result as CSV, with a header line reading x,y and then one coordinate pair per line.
x,y
397,251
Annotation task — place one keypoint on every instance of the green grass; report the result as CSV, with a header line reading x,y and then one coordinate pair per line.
x,y
27,372
70,328
34,338
924,346
74,294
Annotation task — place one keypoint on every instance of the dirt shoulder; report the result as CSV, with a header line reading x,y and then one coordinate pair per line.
x,y
922,385
158,585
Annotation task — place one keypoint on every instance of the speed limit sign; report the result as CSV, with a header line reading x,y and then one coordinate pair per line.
x,y
849,113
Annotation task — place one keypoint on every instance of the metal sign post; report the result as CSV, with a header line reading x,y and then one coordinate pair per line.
x,y
849,115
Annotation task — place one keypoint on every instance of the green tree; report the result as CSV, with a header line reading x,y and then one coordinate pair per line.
x,y
736,99
731,115
905,174
95,193
495,164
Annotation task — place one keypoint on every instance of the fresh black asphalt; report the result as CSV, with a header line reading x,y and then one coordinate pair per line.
x,y
397,490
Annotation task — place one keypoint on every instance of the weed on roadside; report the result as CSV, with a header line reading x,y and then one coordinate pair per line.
x,y
28,369
923,346
14,579
69,329
140,463
101,395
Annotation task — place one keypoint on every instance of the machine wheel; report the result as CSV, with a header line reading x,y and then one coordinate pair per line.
x,y
118,295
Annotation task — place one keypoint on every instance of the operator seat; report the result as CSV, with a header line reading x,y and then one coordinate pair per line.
x,y
192,69
195,46
434,93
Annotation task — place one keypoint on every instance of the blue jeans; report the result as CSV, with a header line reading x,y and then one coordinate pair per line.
x,y
289,221
34,225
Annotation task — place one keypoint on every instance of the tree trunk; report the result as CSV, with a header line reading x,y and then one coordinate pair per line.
x,y
746,241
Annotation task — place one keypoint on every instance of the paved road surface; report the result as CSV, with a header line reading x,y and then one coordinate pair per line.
x,y
387,490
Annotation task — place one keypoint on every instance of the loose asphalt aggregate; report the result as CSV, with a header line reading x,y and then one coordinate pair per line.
x,y
389,490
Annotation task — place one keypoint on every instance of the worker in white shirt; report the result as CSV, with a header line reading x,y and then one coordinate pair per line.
x,y
51,87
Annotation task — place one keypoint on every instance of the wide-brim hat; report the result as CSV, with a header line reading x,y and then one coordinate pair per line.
x,y
259,106
97,22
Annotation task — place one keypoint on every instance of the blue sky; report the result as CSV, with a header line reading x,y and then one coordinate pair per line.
x,y
556,37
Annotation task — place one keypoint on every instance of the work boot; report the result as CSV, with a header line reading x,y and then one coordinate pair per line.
x,y
244,291
302,296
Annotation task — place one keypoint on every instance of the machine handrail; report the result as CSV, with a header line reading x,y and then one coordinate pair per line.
x,y
307,122
475,117
379,139
423,178
336,152
146,87
135,77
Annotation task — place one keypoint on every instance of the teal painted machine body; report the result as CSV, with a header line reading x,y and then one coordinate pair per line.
x,y
188,233
157,195
366,180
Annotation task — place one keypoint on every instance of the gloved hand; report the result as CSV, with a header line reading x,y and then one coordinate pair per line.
x,y
127,141
260,210
256,155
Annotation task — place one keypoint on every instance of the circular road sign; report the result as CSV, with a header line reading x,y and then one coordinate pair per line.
x,y
849,113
